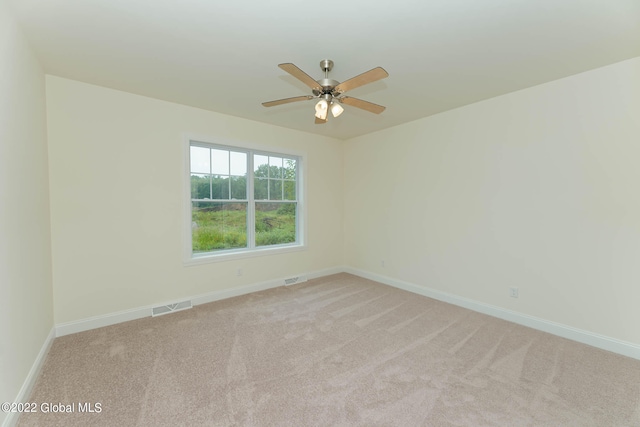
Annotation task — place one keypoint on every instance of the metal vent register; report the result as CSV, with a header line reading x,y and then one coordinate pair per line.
x,y
170,308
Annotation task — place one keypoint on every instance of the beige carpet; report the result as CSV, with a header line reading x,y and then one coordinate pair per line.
x,y
336,351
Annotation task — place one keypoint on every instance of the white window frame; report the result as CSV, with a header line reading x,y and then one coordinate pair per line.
x,y
251,250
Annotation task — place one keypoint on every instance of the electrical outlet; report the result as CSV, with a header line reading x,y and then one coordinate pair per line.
x,y
382,263
239,272
513,292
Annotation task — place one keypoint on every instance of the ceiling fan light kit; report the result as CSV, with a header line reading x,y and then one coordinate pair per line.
x,y
330,92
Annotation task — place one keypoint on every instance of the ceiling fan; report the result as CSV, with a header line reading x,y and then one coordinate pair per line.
x,y
330,92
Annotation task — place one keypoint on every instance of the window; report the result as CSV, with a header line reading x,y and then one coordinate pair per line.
x,y
242,200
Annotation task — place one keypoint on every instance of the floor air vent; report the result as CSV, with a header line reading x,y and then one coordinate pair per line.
x,y
294,280
170,308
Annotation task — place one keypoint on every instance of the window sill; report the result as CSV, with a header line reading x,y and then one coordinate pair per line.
x,y
230,255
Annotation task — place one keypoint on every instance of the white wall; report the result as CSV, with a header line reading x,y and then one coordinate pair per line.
x,y
116,178
26,307
537,189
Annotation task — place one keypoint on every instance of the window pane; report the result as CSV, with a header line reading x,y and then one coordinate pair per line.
x,y
220,162
238,163
220,187
200,186
200,160
275,223
260,189
289,188
275,189
261,166
289,170
216,226
275,167
238,187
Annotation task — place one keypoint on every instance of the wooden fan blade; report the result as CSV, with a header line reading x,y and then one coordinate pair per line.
x,y
365,105
300,75
320,121
286,100
362,79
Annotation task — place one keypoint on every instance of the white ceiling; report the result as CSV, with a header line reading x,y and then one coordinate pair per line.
x,y
222,55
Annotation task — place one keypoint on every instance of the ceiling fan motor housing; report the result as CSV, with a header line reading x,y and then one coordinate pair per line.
x,y
327,86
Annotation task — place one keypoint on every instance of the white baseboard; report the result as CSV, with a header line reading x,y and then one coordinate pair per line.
x,y
595,340
140,312
243,290
25,391
600,341
95,322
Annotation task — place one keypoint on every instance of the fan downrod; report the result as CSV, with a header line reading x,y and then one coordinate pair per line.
x,y
327,84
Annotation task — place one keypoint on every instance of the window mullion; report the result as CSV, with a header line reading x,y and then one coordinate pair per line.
x,y
229,177
210,174
251,215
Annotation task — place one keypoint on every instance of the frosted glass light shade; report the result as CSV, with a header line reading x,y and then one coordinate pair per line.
x,y
322,108
336,109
